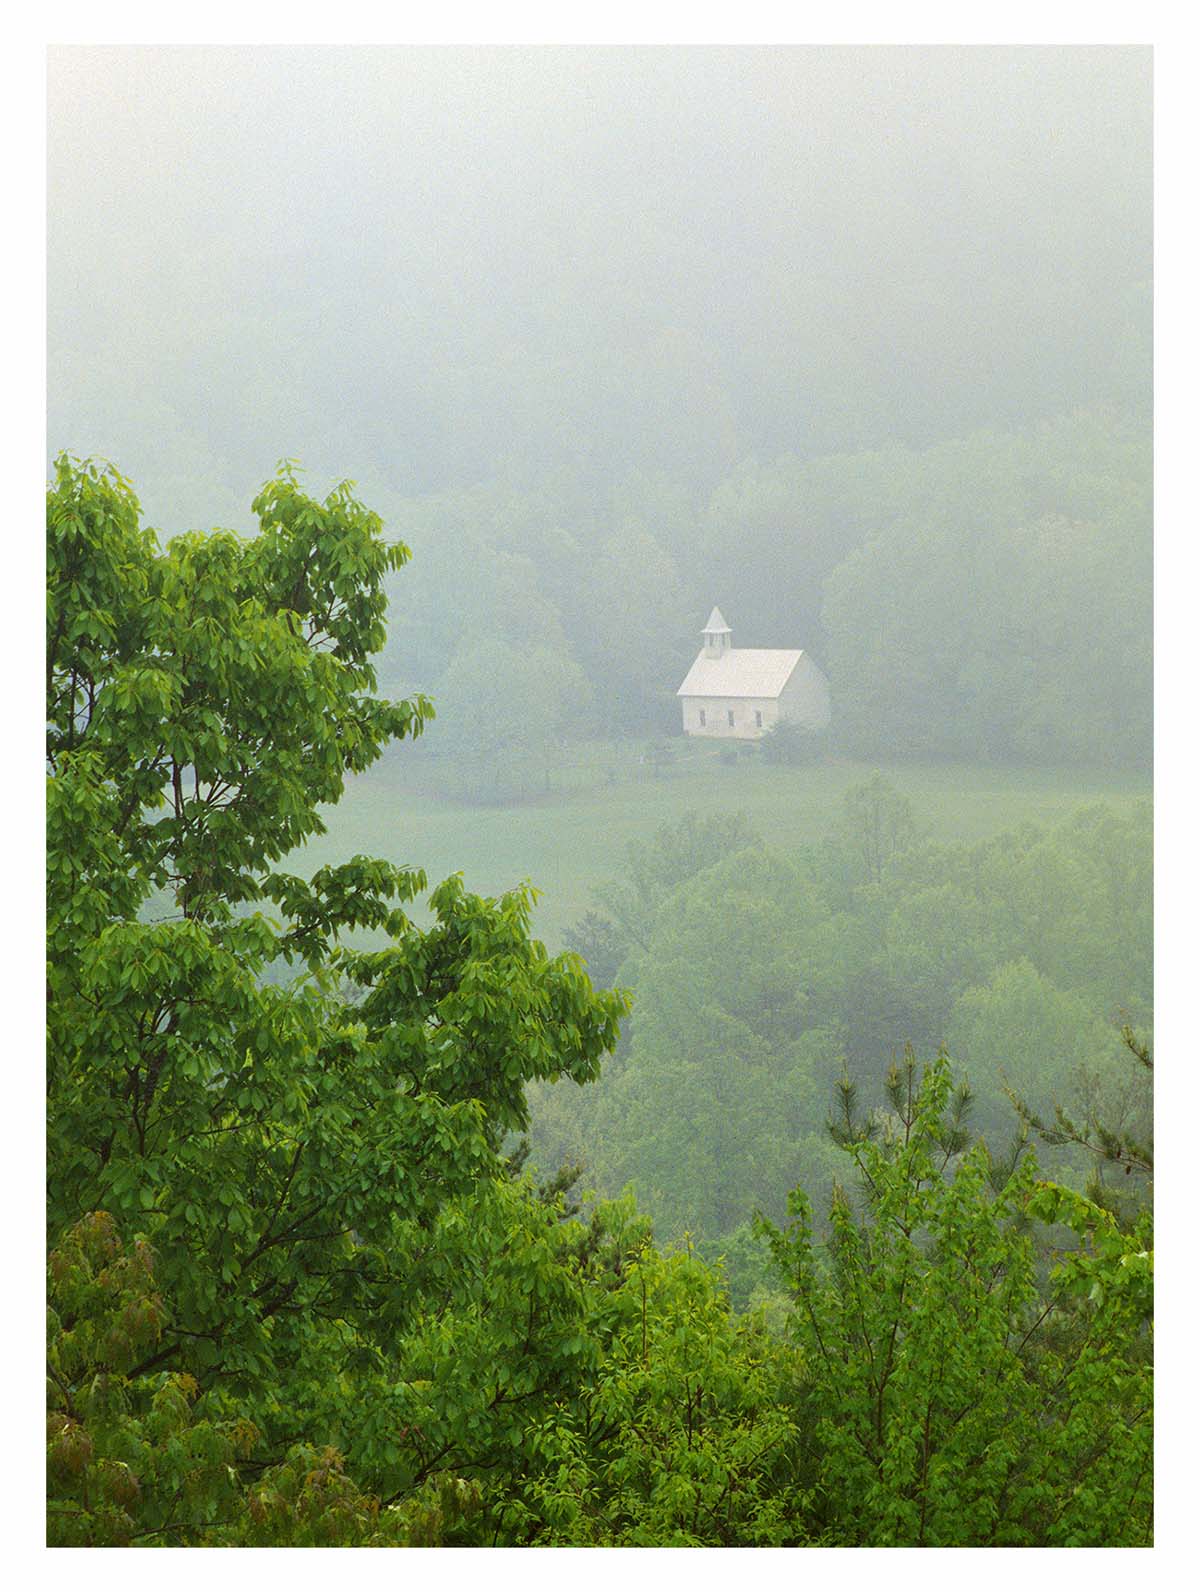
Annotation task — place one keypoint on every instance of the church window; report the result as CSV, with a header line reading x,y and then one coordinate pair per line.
x,y
701,718
758,719
731,718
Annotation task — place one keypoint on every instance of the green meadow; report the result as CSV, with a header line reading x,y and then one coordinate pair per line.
x,y
568,840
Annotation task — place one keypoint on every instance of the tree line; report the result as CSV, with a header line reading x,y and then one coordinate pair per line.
x,y
981,598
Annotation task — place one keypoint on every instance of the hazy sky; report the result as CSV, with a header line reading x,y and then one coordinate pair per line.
x,y
427,267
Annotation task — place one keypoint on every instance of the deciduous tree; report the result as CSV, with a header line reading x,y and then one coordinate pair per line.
x,y
276,1143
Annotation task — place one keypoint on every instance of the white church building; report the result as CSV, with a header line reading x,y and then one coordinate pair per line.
x,y
740,692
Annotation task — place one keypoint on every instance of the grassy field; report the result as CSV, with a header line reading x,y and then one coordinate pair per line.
x,y
567,842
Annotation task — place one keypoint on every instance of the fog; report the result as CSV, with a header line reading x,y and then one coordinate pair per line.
x,y
853,343
426,268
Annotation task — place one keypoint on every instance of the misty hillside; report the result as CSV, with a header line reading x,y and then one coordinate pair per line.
x,y
831,337
431,269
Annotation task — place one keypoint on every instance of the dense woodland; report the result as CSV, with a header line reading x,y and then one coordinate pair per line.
x,y
1026,553
302,1289
800,1193
759,980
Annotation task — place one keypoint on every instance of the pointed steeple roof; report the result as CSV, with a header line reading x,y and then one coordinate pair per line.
x,y
715,622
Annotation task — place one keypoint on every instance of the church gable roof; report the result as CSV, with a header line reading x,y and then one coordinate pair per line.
x,y
741,672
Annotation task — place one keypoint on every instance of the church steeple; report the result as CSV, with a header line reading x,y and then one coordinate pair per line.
x,y
718,638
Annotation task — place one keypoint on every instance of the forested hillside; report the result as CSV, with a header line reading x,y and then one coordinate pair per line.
x,y
1026,554
567,271
855,344
760,979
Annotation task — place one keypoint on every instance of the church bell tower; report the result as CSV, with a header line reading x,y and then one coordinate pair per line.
x,y
718,638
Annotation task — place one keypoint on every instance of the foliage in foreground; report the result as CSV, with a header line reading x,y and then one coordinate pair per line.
x,y
962,1387
296,1293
